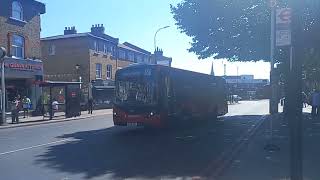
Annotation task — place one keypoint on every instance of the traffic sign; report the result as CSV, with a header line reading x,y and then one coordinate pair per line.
x,y
283,37
283,16
283,30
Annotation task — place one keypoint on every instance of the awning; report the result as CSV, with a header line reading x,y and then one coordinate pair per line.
x,y
57,83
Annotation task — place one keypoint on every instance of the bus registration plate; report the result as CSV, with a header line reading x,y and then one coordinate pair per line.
x,y
132,124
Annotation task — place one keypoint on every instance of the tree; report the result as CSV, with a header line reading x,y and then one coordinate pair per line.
x,y
240,29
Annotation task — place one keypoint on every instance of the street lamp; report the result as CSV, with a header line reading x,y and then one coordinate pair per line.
x,y
155,36
3,53
78,73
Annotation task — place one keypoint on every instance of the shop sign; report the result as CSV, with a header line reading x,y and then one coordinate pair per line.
x,y
24,67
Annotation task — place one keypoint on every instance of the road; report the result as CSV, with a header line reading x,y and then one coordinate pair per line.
x,y
94,149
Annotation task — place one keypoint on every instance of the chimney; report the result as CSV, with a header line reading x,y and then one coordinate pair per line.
x,y
97,29
158,52
70,30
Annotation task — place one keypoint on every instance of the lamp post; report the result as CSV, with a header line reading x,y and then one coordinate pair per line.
x,y
155,36
78,73
155,42
2,55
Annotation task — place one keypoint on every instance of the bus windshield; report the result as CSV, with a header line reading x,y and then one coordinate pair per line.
x,y
136,89
134,93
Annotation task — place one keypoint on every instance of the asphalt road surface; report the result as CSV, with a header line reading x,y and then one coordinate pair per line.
x,y
94,149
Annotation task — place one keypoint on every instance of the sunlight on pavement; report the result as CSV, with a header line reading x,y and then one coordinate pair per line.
x,y
259,107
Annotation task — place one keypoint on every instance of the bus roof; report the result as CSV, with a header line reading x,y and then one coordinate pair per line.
x,y
161,67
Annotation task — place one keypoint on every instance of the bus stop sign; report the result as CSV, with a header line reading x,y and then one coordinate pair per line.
x,y
283,29
283,16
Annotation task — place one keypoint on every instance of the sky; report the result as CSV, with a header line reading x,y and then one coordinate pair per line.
x,y
136,21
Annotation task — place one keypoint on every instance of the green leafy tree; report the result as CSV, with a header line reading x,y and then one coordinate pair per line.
x,y
239,30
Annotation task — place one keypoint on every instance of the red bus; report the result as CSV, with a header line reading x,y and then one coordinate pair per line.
x,y
155,95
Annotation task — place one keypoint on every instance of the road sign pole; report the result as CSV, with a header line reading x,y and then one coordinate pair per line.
x,y
294,97
3,88
273,104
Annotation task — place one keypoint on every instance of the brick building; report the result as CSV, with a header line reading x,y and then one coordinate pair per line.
x,y
20,35
135,53
94,56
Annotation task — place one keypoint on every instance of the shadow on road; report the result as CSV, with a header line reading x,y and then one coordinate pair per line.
x,y
138,152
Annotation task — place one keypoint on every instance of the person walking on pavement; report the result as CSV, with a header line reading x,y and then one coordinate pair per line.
x,y
315,102
15,110
55,106
26,103
304,99
90,105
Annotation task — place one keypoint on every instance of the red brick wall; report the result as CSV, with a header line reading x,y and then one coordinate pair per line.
x,y
68,53
30,31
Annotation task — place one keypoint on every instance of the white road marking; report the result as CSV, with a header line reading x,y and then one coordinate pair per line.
x,y
36,146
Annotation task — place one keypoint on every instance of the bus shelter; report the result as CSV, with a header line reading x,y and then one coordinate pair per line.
x,y
61,94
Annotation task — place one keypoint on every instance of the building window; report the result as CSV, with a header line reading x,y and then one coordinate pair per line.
x,y
146,59
139,59
131,56
113,51
95,46
52,50
17,12
105,48
109,71
17,46
98,71
122,54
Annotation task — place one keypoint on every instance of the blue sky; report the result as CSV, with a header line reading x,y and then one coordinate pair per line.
x,y
136,21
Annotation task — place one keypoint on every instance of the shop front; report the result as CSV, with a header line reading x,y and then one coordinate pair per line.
x,y
103,93
22,77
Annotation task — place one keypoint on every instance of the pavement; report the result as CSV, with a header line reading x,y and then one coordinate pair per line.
x,y
92,148
256,162
59,117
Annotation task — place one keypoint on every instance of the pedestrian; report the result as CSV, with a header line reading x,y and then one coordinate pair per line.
x,y
46,105
55,106
19,105
26,104
90,105
282,101
15,110
315,102
304,99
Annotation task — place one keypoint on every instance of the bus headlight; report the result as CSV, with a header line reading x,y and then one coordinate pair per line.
x,y
151,114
